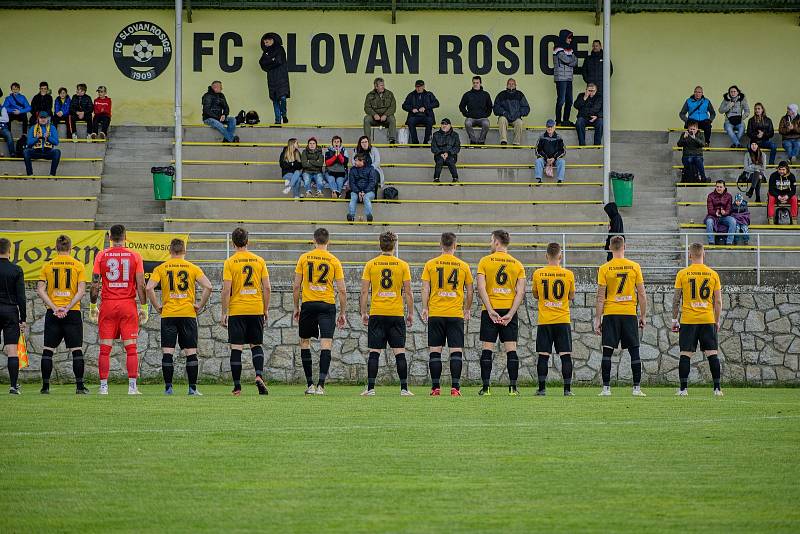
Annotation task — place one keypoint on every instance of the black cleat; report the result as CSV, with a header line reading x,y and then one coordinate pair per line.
x,y
14,391
262,387
540,393
83,390
569,393
45,390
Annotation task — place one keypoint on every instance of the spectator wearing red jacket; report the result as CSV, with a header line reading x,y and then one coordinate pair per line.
x,y
337,158
718,213
102,113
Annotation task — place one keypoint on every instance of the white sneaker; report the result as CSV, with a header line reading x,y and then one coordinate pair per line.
x,y
320,390
286,183
286,190
103,389
74,138
368,393
718,393
406,393
638,393
311,390
133,390
606,392
682,393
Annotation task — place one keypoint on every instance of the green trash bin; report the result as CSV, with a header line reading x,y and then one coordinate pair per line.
x,y
163,180
622,184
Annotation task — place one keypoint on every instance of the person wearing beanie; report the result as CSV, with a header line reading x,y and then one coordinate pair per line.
x,y
564,63
550,154
445,147
420,104
741,213
42,143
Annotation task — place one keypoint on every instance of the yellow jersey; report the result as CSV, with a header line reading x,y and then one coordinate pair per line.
x,y
620,276
245,271
447,276
386,275
62,275
178,278
320,269
502,272
698,283
553,285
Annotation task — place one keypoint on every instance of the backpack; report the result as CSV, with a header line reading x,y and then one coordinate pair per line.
x,y
690,175
782,215
251,118
240,118
22,144
390,193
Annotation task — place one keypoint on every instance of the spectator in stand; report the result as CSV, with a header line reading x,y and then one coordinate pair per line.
x,y
337,158
102,113
789,129
741,213
699,109
615,226
782,188
81,108
718,213
42,143
379,109
734,107
511,106
372,158
17,107
593,67
590,113
550,153
363,181
476,106
216,113
313,161
61,106
5,129
292,168
755,166
564,63
273,62
692,141
420,104
445,147
42,101
761,131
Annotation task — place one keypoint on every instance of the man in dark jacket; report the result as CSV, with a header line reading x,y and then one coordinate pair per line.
x,y
363,181
592,70
445,147
81,108
590,113
13,310
216,113
42,101
273,62
511,106
718,213
476,106
550,153
379,109
615,226
782,188
420,104
692,141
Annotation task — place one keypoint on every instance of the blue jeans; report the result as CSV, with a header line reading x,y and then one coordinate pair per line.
x,y
728,221
697,161
317,176
53,154
368,198
279,107
563,99
734,132
540,164
773,150
295,182
792,147
580,129
335,183
743,232
5,133
227,129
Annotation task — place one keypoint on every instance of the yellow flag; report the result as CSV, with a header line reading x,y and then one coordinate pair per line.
x,y
22,352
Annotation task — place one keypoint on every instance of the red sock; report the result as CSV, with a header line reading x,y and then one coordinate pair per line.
x,y
104,361
132,361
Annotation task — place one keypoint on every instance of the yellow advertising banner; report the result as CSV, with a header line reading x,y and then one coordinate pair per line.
x,y
31,250
153,246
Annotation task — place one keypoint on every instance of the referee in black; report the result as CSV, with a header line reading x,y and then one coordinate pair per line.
x,y
12,310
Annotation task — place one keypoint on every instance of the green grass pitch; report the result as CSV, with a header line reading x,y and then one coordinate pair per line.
x,y
342,463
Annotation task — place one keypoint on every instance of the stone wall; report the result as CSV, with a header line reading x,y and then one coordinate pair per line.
x,y
759,341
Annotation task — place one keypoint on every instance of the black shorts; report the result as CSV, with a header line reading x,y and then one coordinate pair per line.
x,y
446,331
9,324
386,329
246,329
692,334
491,331
180,329
69,329
620,329
317,319
550,335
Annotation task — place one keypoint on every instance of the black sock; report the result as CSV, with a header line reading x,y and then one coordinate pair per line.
x,y
305,358
192,367
258,360
167,368
636,366
47,367
456,363
77,366
512,365
324,365
605,366
402,369
541,371
435,365
372,369
486,368
716,370
566,371
236,368
684,367
13,370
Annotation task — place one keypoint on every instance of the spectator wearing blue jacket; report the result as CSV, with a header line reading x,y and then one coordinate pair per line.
x,y
363,180
420,104
17,106
700,109
42,143
61,113
5,130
